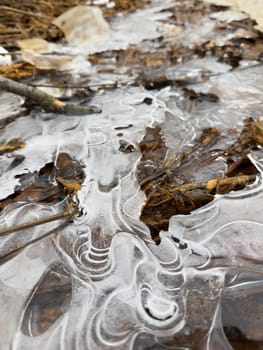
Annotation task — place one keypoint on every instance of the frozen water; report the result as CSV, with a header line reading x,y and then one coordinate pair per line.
x,y
123,291
123,284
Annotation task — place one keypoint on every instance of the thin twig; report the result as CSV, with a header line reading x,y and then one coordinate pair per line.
x,y
25,245
213,186
71,211
14,53
34,223
71,86
47,102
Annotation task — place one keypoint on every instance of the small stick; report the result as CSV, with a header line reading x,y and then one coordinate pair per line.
x,y
14,53
37,222
213,186
68,214
47,102
25,245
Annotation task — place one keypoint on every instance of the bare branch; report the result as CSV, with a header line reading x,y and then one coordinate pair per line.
x,y
47,102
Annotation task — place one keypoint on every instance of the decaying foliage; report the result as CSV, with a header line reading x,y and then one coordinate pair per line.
x,y
27,19
17,70
55,182
148,65
170,183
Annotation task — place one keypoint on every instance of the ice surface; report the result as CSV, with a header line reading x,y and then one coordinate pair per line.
x,y
126,292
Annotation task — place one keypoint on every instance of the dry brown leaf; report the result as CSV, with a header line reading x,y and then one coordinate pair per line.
x,y
17,71
82,25
170,183
38,52
47,62
35,44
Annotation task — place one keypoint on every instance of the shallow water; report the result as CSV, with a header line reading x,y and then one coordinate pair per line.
x,y
101,282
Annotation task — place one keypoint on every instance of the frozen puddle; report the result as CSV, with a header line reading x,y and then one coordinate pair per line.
x,y
101,282
119,289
